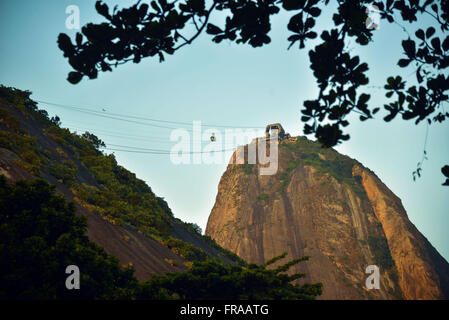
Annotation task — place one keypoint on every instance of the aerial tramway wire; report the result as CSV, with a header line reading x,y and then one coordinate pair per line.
x,y
109,114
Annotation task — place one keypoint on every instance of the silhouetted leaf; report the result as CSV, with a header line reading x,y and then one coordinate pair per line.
x,y
311,35
404,62
445,171
314,12
212,29
79,39
436,43
65,44
418,75
155,6
74,77
445,44
102,8
293,4
435,8
420,34
409,47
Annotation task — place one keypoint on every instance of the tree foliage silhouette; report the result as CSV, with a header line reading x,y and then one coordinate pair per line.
x,y
162,27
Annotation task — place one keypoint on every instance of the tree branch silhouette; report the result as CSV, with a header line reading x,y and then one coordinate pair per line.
x,y
147,30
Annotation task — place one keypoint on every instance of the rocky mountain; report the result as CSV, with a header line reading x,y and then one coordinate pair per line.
x,y
331,208
123,215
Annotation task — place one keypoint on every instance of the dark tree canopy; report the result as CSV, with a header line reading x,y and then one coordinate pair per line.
x,y
40,236
160,27
96,142
213,280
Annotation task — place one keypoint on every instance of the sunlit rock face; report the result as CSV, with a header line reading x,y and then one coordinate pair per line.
x,y
329,207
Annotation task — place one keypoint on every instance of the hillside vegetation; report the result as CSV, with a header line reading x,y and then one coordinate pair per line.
x,y
40,233
325,160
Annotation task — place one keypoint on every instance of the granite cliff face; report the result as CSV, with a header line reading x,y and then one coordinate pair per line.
x,y
329,207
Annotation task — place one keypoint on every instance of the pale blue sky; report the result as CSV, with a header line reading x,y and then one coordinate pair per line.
x,y
224,84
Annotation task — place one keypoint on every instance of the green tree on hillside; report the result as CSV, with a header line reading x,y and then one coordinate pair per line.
x,y
96,142
40,235
213,280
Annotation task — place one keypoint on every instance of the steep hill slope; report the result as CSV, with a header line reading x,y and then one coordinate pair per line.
x,y
124,215
327,206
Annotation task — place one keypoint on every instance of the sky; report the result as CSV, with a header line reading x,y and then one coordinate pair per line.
x,y
226,85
